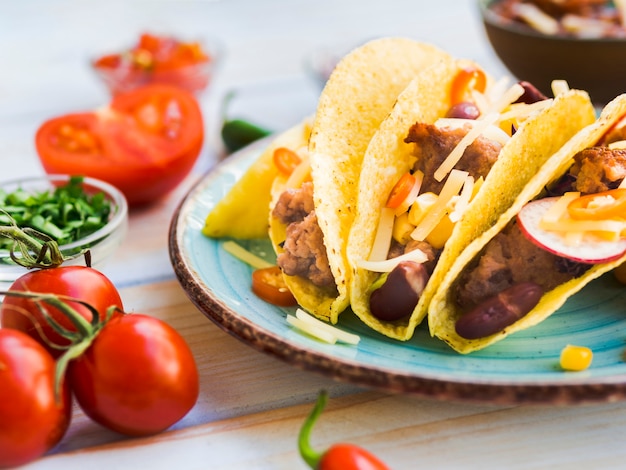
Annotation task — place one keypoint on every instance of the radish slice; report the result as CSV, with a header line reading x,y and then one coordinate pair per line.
x,y
590,250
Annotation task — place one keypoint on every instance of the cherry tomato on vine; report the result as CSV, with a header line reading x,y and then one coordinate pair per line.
x,y
145,142
31,420
268,284
138,376
78,282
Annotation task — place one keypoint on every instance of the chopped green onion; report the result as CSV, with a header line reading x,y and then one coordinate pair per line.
x,y
66,214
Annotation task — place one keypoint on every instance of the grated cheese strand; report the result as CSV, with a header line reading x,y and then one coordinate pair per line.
x,y
451,188
559,208
340,335
464,199
382,240
451,160
318,333
244,255
387,265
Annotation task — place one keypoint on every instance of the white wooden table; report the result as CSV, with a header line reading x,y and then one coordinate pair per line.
x,y
252,405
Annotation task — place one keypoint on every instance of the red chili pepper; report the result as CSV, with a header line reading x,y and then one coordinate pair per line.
x,y
338,456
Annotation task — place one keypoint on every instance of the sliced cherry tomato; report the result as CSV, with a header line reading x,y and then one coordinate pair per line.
x,y
466,80
269,285
32,421
145,142
78,282
401,190
138,376
583,207
286,160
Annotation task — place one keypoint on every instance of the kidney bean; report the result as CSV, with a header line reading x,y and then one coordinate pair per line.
x,y
399,295
463,110
531,94
499,311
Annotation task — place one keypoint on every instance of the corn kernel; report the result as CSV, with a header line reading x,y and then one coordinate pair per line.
x,y
402,229
420,207
440,234
576,358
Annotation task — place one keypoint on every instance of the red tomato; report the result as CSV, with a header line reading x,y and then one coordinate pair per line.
x,y
138,377
269,285
145,142
79,282
350,457
31,420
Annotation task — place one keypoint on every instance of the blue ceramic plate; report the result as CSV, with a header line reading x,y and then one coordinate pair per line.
x,y
524,368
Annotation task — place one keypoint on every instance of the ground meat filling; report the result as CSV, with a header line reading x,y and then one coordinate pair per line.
x,y
598,169
304,251
510,258
433,145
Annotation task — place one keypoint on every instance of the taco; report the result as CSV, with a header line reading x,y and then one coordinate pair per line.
x,y
452,156
565,228
313,206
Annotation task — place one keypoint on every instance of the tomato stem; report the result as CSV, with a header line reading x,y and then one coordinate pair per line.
x,y
37,249
310,455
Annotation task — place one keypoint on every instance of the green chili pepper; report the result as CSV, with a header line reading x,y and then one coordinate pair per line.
x,y
237,133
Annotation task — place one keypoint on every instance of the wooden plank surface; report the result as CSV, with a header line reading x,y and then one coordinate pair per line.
x,y
251,405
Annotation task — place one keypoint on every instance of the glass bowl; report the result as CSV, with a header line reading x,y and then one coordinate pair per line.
x,y
101,243
120,73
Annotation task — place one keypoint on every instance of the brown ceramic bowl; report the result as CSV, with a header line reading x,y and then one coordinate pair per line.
x,y
597,65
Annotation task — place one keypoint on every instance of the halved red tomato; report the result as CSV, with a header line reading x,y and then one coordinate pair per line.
x,y
145,142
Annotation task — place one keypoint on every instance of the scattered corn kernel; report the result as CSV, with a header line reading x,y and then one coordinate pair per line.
x,y
420,207
576,358
440,234
402,229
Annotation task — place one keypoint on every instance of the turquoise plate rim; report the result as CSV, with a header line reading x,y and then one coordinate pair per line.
x,y
523,368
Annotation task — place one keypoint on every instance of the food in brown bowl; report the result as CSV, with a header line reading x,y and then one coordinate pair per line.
x,y
581,41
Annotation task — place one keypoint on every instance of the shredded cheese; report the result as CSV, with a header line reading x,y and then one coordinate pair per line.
x,y
386,266
451,188
559,209
463,201
613,228
382,240
451,160
620,144
536,18
244,255
509,96
559,87
523,110
320,330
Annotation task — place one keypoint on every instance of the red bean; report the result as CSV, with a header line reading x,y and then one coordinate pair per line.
x,y
398,296
463,110
499,311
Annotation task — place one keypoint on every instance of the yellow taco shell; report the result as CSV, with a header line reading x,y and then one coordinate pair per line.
x,y
424,100
358,96
443,312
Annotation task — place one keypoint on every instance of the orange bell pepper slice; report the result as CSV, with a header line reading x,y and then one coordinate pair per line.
x,y
583,207
466,80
